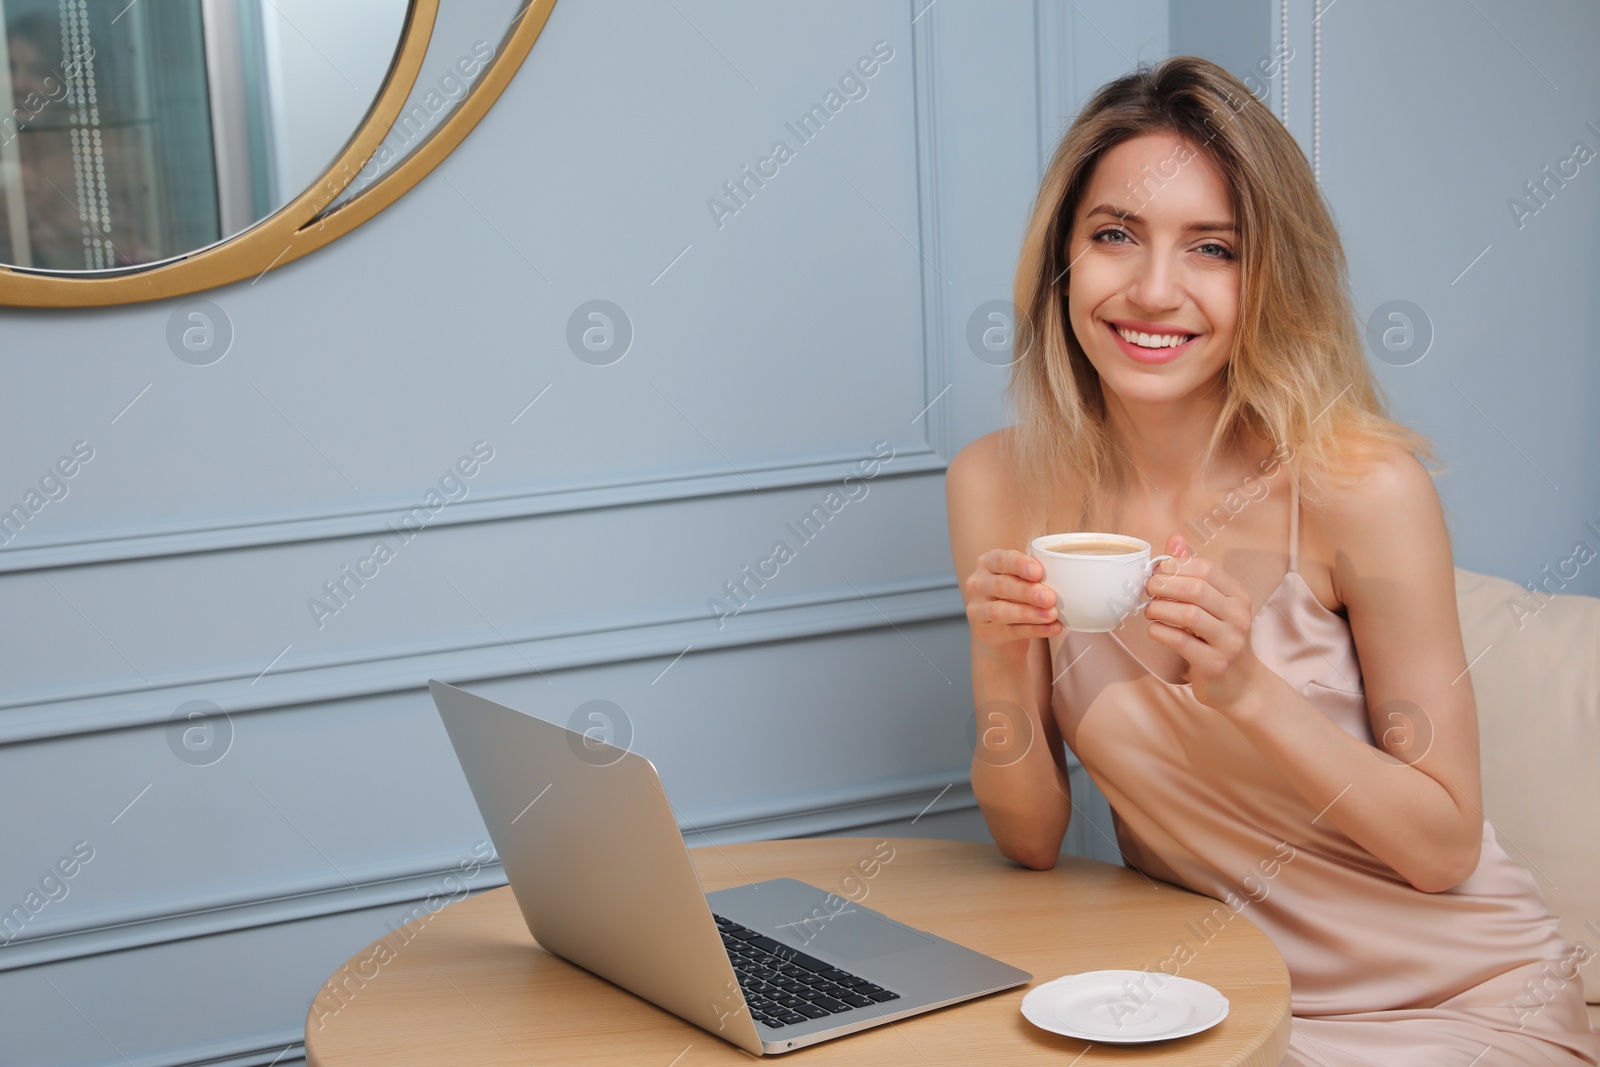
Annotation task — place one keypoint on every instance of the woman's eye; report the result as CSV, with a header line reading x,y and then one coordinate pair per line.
x,y
1113,232
1218,251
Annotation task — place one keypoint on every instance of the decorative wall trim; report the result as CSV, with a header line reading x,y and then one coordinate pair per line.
x,y
841,809
202,919
130,544
94,709
288,1051
289,1054
1052,23
925,88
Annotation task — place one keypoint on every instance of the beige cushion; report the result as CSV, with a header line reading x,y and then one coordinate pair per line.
x,y
1538,696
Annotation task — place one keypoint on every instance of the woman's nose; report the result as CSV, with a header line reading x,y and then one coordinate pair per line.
x,y
1155,285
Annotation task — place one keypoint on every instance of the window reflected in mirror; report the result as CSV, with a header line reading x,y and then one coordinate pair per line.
x,y
133,133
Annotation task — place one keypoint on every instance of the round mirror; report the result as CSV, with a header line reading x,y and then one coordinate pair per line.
x,y
154,148
140,132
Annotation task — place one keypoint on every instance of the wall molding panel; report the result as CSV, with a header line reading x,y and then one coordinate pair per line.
x,y
319,526
936,377
519,653
1057,93
451,590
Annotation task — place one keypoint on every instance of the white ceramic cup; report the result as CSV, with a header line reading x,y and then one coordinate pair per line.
x,y
1094,593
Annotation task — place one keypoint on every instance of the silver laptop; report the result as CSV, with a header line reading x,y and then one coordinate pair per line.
x,y
603,878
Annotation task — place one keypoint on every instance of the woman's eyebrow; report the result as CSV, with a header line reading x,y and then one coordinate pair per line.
x,y
1193,227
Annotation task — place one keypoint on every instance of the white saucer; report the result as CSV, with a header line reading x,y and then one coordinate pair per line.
x,y
1117,1007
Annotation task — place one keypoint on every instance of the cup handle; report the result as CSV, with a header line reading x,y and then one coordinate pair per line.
x,y
1150,570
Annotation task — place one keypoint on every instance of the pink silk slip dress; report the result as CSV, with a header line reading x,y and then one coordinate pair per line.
x,y
1380,972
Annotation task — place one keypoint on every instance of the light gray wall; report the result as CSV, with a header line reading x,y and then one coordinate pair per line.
x,y
1510,389
769,356
1434,116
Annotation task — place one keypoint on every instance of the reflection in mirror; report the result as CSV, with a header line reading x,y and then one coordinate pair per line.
x,y
132,133
466,39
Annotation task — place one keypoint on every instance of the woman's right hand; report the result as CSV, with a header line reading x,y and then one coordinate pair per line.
x,y
1008,604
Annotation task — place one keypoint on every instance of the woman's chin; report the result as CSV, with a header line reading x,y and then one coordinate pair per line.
x,y
1144,388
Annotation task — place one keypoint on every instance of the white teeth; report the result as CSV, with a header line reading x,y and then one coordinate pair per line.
x,y
1152,340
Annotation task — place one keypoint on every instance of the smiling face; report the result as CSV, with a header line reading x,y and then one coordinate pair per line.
x,y
1153,290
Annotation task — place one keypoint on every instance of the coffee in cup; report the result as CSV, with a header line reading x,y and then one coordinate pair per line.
x,y
1105,547
1098,578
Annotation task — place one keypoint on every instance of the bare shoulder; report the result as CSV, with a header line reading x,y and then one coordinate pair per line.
x,y
985,498
1388,488
1383,519
983,485
987,461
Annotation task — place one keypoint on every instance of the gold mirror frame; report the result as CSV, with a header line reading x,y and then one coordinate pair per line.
x,y
303,225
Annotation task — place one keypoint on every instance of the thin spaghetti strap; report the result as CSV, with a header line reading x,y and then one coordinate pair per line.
x,y
1294,522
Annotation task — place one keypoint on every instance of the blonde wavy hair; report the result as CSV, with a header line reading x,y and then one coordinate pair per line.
x,y
1297,377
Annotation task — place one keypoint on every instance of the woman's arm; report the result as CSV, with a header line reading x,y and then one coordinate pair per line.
x,y
1414,801
1019,767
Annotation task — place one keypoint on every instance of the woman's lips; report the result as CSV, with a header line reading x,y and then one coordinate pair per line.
x,y
1150,355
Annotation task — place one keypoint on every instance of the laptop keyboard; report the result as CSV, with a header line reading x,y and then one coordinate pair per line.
x,y
784,986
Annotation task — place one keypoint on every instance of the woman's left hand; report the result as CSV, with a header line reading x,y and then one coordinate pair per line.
x,y
1204,614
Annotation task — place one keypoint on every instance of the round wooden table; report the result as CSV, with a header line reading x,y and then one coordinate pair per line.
x,y
470,985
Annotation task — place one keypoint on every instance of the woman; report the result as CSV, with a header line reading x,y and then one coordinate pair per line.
x,y
1284,728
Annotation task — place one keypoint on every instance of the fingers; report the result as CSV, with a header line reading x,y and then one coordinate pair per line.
x,y
1036,594
1177,546
998,622
1204,569
1005,574
1199,654
1190,589
1011,611
1196,603
1195,622
1010,561
1007,600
